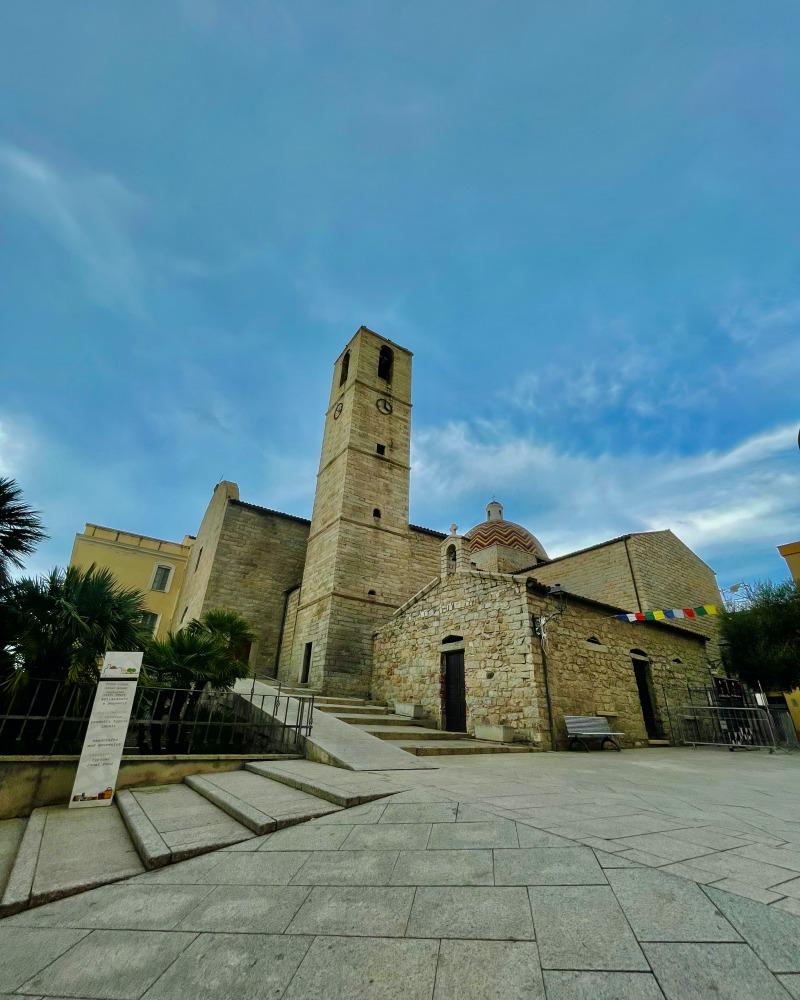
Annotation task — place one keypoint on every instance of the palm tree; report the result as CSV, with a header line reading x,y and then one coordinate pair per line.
x,y
20,529
59,626
211,650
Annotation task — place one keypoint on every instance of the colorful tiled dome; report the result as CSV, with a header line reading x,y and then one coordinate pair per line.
x,y
495,530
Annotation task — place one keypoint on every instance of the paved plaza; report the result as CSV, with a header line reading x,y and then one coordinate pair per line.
x,y
659,873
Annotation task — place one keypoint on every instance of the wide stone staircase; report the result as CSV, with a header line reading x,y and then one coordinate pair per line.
x,y
412,735
58,851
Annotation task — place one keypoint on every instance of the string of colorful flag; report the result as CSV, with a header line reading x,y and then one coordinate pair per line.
x,y
665,614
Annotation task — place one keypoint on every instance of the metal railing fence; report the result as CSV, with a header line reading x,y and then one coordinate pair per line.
x,y
737,727
49,717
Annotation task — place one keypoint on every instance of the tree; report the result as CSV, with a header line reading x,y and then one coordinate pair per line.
x,y
209,651
20,529
60,625
763,638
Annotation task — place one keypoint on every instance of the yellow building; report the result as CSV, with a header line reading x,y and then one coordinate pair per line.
x,y
152,565
791,553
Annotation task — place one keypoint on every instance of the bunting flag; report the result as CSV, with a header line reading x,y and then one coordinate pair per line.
x,y
665,614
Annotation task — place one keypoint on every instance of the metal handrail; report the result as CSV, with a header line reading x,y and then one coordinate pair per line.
x,y
51,716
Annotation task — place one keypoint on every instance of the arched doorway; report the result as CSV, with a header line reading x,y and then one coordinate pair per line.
x,y
644,684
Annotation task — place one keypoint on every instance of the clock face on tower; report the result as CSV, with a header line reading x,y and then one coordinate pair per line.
x,y
337,411
384,405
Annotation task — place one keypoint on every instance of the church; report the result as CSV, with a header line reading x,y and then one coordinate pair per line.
x,y
480,632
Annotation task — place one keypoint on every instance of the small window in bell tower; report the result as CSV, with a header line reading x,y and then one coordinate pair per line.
x,y
386,363
345,368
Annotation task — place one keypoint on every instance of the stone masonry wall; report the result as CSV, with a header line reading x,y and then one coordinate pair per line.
x,y
670,575
490,612
597,678
259,556
602,574
190,601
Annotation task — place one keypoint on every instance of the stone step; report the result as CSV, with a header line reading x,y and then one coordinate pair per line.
x,y
436,748
378,720
64,851
11,833
364,709
336,784
415,733
259,803
170,823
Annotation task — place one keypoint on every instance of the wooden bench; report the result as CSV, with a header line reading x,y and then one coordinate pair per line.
x,y
582,728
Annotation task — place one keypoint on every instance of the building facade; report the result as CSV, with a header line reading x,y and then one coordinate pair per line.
x,y
360,601
154,566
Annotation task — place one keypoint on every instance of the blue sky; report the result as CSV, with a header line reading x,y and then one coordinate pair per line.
x,y
584,219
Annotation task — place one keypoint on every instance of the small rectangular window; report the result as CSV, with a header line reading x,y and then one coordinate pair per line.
x,y
380,449
161,578
150,621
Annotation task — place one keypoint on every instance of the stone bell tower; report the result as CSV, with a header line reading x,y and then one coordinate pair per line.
x,y
358,542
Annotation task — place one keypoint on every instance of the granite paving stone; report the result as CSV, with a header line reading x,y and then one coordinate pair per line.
x,y
792,985
487,912
462,867
773,935
261,909
730,865
531,836
307,837
709,836
366,911
388,837
109,965
665,845
614,860
547,866
663,907
476,970
420,812
624,826
261,868
602,986
366,968
711,972
784,857
492,833
370,812
229,966
122,905
789,904
583,927
25,951
195,871
740,888
346,868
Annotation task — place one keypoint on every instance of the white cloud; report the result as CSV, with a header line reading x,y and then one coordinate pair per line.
x,y
715,501
17,447
88,213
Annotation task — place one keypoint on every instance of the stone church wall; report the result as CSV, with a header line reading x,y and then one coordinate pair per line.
x,y
590,668
490,612
191,599
602,574
669,575
259,556
597,678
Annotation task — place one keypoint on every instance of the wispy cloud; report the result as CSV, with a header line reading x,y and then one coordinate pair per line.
x,y
89,214
715,501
